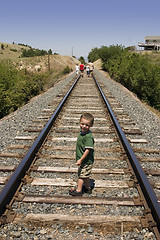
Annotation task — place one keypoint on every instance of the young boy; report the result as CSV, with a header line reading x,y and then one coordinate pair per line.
x,y
81,69
84,154
77,69
88,70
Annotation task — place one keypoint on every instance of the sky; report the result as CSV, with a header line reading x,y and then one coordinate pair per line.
x,y
76,27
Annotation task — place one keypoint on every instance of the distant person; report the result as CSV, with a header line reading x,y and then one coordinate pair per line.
x,y
81,69
88,70
84,155
91,67
77,69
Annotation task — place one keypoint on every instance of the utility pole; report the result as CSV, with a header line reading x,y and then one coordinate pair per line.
x,y
48,62
72,51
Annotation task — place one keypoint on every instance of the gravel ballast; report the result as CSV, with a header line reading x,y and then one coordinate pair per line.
x,y
15,124
146,120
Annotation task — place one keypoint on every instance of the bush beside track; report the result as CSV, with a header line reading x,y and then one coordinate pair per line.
x,y
136,72
17,87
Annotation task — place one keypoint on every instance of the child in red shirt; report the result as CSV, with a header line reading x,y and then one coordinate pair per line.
x,y
81,69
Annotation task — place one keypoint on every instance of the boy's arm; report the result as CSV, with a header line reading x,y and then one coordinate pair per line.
x,y
85,154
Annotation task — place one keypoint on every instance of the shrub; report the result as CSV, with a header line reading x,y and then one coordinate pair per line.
x,y
134,71
13,50
17,87
66,70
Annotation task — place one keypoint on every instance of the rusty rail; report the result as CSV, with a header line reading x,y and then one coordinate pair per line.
x,y
147,190
14,182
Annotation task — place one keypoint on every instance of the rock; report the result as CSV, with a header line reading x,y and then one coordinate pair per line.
x,y
90,230
43,231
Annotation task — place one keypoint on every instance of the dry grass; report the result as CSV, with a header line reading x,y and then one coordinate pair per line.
x,y
11,51
40,64
154,57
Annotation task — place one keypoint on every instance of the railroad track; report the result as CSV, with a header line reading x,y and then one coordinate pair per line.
x,y
37,190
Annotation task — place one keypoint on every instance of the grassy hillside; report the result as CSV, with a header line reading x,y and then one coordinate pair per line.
x,y
154,57
11,51
23,78
39,64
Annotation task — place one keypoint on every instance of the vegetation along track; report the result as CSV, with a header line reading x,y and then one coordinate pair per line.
x,y
122,198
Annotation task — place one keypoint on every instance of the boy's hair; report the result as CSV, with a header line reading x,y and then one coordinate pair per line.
x,y
88,117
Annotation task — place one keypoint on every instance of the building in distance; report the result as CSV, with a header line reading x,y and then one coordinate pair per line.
x,y
151,43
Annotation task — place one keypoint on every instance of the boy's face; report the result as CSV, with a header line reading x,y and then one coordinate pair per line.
x,y
85,125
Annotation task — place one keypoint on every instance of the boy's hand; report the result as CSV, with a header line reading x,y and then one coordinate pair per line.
x,y
79,162
85,154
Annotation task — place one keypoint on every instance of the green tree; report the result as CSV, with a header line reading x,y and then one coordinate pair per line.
x,y
132,70
50,52
94,55
81,59
2,46
17,87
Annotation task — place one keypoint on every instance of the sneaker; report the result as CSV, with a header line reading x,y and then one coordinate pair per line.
x,y
75,193
72,190
89,191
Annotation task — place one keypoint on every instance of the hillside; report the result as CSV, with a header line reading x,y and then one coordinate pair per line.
x,y
11,51
36,76
41,64
35,64
98,64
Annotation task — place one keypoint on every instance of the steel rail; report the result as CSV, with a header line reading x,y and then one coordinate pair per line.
x,y
14,181
147,189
